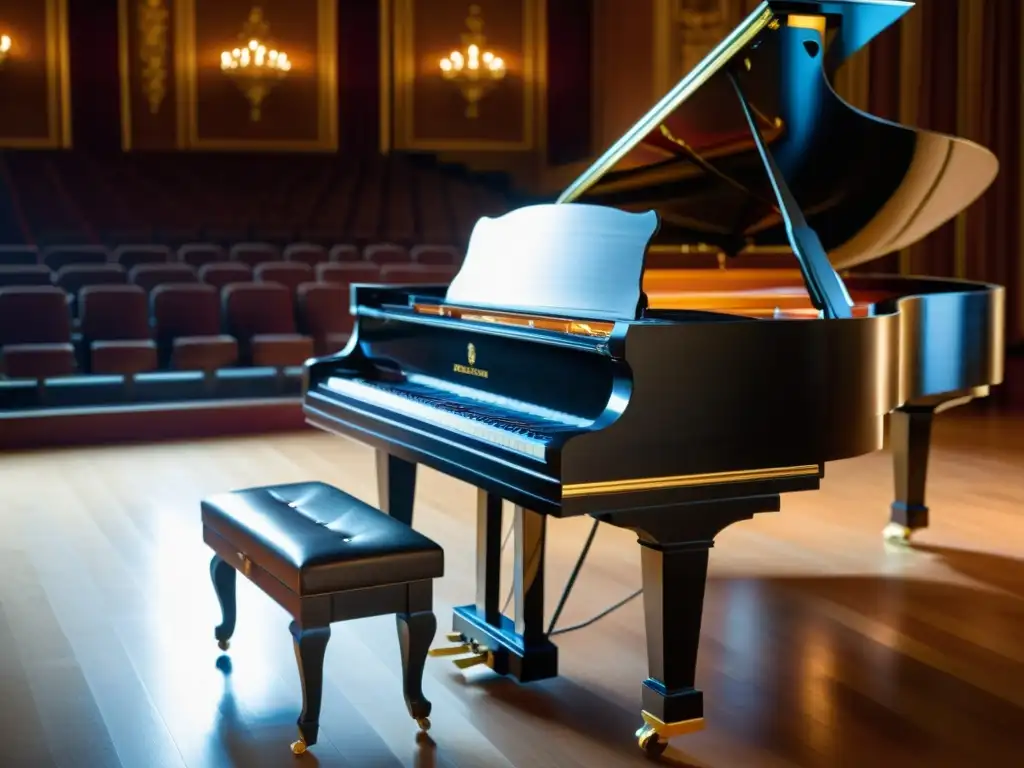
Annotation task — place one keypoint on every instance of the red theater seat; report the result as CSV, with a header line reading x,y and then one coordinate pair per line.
x,y
324,315
35,333
348,273
198,254
344,252
74,277
417,274
386,253
115,326
149,276
305,253
435,254
254,253
290,274
25,274
223,273
187,318
130,256
59,256
18,254
262,317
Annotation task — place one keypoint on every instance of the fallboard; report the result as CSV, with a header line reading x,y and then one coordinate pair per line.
x,y
574,380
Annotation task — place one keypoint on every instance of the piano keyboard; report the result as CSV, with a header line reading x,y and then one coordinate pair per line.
x,y
511,424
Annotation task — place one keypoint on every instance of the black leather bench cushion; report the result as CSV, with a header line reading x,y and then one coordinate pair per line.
x,y
315,538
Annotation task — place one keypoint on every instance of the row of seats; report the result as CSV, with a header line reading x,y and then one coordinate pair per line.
x,y
181,326
73,277
199,254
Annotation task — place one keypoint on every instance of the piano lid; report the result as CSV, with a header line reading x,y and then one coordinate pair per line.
x,y
865,185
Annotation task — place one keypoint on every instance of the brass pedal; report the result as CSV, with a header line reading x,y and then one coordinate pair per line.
x,y
473,661
454,650
455,637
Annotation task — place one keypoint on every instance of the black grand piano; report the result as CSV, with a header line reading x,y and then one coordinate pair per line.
x,y
544,375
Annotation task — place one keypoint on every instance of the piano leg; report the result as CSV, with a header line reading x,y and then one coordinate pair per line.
x,y
910,431
396,486
518,648
674,548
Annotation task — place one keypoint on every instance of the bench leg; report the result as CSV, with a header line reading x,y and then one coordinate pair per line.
x,y
223,577
310,646
415,634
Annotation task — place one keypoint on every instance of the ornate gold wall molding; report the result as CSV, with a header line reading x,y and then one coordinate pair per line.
x,y
58,85
153,30
534,76
327,87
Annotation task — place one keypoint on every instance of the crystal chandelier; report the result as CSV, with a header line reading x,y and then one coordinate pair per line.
x,y
475,70
255,65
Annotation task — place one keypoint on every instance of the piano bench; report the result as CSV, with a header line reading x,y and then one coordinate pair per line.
x,y
325,556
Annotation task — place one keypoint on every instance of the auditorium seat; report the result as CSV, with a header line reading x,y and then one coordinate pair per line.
x,y
35,333
435,254
344,252
417,274
12,255
59,256
221,273
324,315
130,256
149,276
114,321
25,274
290,274
305,253
347,273
386,253
254,253
188,329
74,277
262,317
198,254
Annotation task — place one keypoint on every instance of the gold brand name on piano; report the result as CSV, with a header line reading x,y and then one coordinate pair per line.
x,y
469,368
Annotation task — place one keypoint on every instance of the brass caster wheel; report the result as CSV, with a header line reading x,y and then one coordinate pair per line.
x,y
650,742
423,723
223,644
298,747
896,533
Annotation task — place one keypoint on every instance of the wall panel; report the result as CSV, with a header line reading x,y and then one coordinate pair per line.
x,y
175,95
430,112
34,82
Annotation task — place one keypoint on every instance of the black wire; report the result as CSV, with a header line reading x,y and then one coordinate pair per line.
x,y
572,576
568,586
598,617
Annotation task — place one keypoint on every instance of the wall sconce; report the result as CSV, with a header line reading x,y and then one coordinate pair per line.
x,y
255,65
477,70
5,47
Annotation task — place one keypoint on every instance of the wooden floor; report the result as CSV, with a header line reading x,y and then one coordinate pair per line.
x,y
821,646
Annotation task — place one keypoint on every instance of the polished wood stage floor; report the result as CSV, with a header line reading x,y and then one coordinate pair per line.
x,y
821,645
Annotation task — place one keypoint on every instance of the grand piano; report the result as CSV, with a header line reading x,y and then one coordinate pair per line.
x,y
560,375
845,185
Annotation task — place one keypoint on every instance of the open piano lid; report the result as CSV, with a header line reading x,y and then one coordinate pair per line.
x,y
864,186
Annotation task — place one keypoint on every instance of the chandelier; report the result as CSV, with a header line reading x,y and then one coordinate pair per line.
x,y
5,47
255,65
475,70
